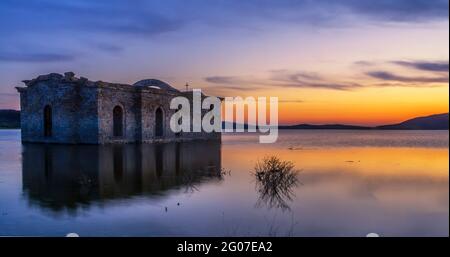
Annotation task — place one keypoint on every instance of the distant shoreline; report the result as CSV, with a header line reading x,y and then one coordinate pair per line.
x,y
349,129
432,122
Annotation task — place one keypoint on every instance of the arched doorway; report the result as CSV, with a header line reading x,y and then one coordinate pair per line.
x,y
118,121
159,118
47,121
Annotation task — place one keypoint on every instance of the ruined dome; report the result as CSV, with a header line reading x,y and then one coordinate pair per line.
x,y
155,83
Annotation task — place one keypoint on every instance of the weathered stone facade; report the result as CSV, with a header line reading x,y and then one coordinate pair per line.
x,y
67,109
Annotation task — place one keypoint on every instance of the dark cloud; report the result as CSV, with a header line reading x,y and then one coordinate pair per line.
x,y
35,57
155,17
285,75
438,66
323,13
320,85
399,10
329,12
114,16
364,63
430,72
223,80
403,84
34,22
233,83
388,76
301,79
31,24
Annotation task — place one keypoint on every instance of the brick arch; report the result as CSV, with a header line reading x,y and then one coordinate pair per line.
x,y
48,121
118,121
159,122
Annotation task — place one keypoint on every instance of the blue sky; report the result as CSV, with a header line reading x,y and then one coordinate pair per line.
x,y
227,47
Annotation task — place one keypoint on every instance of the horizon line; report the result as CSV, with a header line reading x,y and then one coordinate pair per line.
x,y
319,124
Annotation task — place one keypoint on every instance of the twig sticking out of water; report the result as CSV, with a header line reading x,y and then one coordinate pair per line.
x,y
275,180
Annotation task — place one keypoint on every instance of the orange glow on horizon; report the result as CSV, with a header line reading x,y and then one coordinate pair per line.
x,y
365,107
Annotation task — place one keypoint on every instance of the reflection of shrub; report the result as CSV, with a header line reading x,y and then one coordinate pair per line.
x,y
275,180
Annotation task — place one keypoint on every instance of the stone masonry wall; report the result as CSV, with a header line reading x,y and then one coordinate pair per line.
x,y
73,111
108,98
82,111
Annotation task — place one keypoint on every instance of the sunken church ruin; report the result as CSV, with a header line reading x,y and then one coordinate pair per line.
x,y
59,108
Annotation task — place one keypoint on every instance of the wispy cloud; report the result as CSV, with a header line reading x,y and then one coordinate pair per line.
x,y
147,18
113,16
388,76
302,79
230,84
437,66
418,73
399,10
284,79
224,80
435,73
327,12
34,57
364,63
152,28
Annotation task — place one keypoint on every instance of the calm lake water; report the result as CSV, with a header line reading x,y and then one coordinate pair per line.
x,y
350,183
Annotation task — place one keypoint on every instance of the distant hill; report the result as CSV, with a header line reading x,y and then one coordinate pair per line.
x,y
326,126
9,119
305,126
432,122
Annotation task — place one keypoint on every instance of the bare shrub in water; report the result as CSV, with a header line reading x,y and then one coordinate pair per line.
x,y
275,181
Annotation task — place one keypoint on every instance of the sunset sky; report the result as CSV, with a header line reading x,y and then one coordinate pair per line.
x,y
358,62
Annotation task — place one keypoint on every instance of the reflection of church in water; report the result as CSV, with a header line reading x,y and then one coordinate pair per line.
x,y
68,176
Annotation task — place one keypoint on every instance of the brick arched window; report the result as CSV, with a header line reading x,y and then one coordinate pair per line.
x,y
47,121
159,122
118,121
